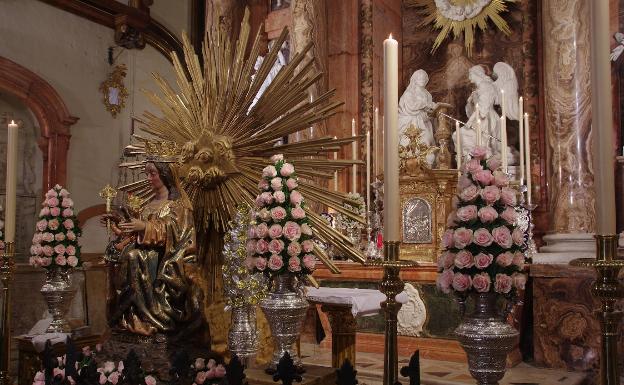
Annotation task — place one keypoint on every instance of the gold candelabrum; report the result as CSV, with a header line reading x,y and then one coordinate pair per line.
x,y
7,264
608,290
391,285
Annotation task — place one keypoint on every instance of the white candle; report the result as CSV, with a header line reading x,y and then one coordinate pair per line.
x,y
503,138
521,138
392,211
458,149
354,156
376,140
503,109
368,176
527,156
11,184
479,139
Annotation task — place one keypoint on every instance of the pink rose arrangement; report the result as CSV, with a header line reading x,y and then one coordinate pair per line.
x,y
204,372
282,240
483,248
55,243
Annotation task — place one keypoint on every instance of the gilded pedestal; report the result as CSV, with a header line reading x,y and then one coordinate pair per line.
x,y
343,327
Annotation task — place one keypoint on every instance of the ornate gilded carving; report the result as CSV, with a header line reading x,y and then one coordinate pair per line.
x,y
114,91
343,328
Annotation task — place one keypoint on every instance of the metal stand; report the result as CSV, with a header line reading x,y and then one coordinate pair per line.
x,y
608,290
7,263
391,285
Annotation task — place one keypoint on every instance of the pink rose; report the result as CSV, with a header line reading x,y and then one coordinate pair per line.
x,y
276,184
53,224
467,213
518,260
279,196
47,250
64,193
294,264
518,236
68,213
482,237
478,152
446,260
444,281
296,198
72,261
462,237
200,377
500,179
70,250
44,212
266,197
71,235
34,261
114,377
55,211
306,229
487,214
250,247
483,260
68,223
510,215
292,231
508,196
60,260
504,259
294,249
276,246
275,231
469,193
67,202
264,215
259,202
103,379
461,282
484,177
292,184
261,263
447,239
463,182
263,185
490,194
262,246
262,230
59,249
51,194
494,163
59,237
269,172
42,225
451,220
307,246
211,363
47,237
219,371
275,262
519,280
287,170
36,249
463,259
309,261
46,261
481,282
276,158
502,236
298,213
278,213
149,380
503,283
472,166
53,202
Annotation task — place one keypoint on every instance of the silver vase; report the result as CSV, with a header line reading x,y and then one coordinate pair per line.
x,y
487,339
243,335
58,294
285,310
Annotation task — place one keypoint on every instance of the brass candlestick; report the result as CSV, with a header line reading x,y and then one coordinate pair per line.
x,y
608,290
108,193
391,285
7,264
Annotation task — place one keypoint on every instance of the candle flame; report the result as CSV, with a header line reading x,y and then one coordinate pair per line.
x,y
12,121
390,37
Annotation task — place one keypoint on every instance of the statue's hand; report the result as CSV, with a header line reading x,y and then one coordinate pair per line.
x,y
132,226
114,218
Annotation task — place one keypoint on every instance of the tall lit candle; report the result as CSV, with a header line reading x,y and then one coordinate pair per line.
x,y
354,156
11,183
527,156
376,143
391,142
521,138
503,139
368,170
602,121
458,148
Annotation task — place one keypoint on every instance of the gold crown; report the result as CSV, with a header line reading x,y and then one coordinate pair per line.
x,y
162,151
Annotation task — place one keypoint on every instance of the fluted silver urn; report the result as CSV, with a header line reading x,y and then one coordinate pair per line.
x,y
58,294
243,334
285,310
487,339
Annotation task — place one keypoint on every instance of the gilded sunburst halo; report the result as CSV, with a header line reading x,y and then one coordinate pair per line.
x,y
461,17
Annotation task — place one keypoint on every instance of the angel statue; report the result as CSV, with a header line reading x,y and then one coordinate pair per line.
x,y
617,51
152,288
415,106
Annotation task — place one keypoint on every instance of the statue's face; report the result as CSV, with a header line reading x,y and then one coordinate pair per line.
x,y
153,176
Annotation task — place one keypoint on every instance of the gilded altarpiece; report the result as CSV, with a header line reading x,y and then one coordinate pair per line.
x,y
425,205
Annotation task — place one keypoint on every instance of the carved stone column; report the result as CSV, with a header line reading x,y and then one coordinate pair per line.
x,y
567,111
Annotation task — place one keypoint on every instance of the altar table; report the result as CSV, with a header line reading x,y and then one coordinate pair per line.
x,y
342,305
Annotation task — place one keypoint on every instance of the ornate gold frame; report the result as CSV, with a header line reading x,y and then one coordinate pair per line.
x,y
115,80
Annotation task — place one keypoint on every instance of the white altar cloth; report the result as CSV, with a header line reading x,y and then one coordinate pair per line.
x,y
363,301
